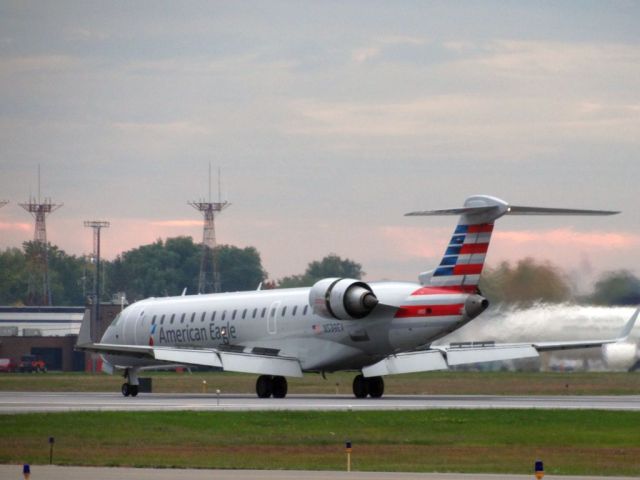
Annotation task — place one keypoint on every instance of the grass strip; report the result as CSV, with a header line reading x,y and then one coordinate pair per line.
x,y
431,383
501,441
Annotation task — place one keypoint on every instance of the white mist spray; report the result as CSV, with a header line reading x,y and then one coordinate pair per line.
x,y
543,322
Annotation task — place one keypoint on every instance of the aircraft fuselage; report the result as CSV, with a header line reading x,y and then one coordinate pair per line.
x,y
282,322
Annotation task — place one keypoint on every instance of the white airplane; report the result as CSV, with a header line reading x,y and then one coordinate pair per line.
x,y
337,324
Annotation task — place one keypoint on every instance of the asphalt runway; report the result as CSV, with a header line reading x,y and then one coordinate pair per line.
x,y
20,402
99,473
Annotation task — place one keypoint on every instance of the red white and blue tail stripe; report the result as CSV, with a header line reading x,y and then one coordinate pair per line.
x,y
464,258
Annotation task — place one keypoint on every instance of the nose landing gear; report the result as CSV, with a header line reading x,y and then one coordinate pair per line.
x,y
130,387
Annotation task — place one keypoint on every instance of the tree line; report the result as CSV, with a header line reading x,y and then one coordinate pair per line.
x,y
167,267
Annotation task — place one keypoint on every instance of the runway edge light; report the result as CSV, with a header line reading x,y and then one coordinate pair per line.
x,y
539,469
347,447
51,442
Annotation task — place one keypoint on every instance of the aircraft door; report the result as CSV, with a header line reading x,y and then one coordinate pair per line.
x,y
272,319
129,326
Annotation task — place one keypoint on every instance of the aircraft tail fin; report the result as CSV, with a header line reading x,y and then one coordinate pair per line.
x,y
463,260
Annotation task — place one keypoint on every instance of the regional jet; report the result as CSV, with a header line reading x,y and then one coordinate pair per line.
x,y
373,329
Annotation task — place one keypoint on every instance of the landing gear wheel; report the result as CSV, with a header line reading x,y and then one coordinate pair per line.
x,y
376,386
279,387
126,389
264,386
134,390
360,387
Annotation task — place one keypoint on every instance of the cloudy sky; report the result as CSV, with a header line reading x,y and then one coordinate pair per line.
x,y
329,120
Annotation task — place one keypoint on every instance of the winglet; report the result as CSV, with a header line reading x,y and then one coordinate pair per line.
x,y
84,336
629,325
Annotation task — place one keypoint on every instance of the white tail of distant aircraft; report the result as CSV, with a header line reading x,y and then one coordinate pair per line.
x,y
337,324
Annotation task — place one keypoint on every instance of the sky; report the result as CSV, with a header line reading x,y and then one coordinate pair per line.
x,y
329,120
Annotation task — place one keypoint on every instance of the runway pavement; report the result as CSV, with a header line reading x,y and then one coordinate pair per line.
x,y
17,402
99,473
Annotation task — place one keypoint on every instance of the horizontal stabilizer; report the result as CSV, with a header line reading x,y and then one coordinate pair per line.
x,y
491,208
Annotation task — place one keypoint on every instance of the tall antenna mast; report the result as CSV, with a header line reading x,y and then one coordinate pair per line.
x,y
39,290
209,278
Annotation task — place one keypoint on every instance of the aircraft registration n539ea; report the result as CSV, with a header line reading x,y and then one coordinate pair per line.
x,y
373,329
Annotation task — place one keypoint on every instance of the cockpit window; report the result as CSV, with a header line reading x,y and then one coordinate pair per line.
x,y
116,320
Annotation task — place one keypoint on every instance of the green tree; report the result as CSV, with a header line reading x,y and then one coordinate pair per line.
x,y
157,269
65,277
526,283
14,278
620,287
17,266
240,268
166,268
330,266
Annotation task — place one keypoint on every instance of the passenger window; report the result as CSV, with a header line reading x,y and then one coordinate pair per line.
x,y
284,311
202,317
273,312
213,317
153,320
233,315
182,318
244,313
304,311
193,317
162,320
224,314
264,311
255,312
173,315
295,309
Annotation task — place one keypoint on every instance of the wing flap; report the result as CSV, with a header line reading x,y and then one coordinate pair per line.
x,y
208,358
462,356
428,360
261,364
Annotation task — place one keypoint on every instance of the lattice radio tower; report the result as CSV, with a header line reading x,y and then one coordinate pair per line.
x,y
209,279
39,290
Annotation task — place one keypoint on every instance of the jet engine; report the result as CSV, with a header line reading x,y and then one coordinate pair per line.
x,y
620,355
342,298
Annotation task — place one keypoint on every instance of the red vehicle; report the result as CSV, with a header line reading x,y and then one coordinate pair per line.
x,y
31,363
7,365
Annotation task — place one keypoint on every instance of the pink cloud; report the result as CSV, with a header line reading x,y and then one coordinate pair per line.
x,y
567,237
16,226
177,223
415,241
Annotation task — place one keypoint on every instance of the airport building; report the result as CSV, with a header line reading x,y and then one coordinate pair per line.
x,y
50,333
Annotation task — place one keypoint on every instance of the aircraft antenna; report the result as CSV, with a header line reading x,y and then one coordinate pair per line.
x,y
209,278
39,290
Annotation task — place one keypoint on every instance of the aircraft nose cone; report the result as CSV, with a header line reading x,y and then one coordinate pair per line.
x,y
474,305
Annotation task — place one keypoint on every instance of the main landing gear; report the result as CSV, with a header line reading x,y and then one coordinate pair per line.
x,y
371,386
130,387
267,386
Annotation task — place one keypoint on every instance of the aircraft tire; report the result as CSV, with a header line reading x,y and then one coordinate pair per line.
x,y
264,386
279,387
360,387
126,391
376,386
134,390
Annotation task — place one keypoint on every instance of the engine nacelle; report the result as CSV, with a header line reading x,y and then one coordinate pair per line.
x,y
342,298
